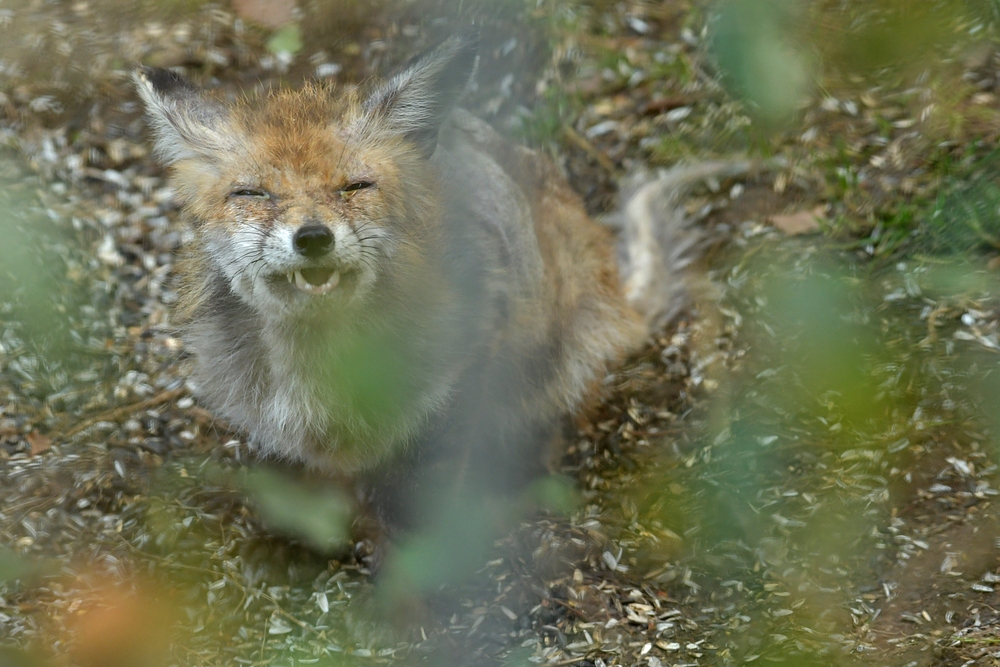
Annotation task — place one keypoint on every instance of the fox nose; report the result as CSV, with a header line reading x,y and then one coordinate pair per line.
x,y
313,241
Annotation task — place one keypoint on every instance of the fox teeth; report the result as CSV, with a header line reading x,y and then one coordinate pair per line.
x,y
309,288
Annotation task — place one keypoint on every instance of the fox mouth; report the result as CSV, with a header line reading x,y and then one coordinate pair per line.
x,y
314,280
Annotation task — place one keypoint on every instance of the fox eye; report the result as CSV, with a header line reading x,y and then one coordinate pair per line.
x,y
352,189
360,185
250,192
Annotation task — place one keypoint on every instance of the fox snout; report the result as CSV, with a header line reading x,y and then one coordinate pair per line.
x,y
313,240
312,256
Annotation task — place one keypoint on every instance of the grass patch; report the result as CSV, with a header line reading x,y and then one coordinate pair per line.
x,y
542,127
966,215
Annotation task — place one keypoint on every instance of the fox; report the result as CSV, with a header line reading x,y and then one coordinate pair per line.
x,y
385,290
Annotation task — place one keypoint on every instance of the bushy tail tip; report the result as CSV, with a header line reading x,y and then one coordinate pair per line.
x,y
658,241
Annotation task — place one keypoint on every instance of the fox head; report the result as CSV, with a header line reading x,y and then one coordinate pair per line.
x,y
314,200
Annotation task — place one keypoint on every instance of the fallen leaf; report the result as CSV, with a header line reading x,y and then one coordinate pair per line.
x,y
802,222
39,443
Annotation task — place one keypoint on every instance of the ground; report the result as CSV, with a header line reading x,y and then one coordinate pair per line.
x,y
801,470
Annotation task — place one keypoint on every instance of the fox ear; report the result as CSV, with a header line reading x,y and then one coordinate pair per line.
x,y
417,100
185,123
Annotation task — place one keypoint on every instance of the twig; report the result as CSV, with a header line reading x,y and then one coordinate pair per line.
x,y
567,661
573,609
117,413
592,151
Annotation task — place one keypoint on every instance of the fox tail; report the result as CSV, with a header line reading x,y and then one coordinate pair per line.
x,y
658,241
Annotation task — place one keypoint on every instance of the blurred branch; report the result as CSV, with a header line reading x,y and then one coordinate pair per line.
x,y
592,150
119,412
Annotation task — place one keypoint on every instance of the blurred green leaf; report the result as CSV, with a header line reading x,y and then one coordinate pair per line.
x,y
870,36
752,42
12,657
14,567
821,324
447,551
368,374
319,516
463,532
554,494
29,281
286,40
